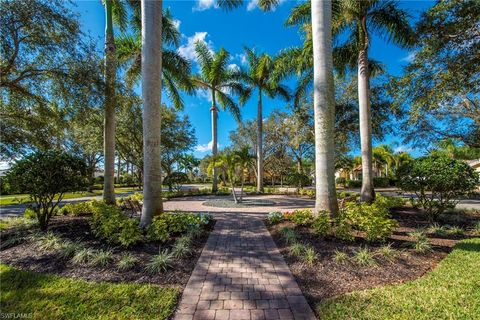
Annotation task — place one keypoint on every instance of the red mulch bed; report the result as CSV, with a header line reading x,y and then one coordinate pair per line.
x,y
28,257
328,278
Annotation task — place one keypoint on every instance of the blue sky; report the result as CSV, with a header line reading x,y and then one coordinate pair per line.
x,y
246,26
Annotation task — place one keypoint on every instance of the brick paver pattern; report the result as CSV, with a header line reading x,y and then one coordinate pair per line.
x,y
241,275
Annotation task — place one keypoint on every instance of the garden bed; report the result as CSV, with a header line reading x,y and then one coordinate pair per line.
x,y
341,267
28,256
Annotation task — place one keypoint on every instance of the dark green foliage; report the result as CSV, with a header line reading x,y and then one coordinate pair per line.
x,y
437,182
298,179
158,230
341,181
76,209
354,183
46,175
381,182
322,224
109,223
175,180
300,217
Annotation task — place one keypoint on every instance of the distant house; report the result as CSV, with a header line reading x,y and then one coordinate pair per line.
x,y
475,164
355,173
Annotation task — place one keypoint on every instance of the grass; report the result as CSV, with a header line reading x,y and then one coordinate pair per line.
x,y
451,291
127,262
18,222
52,297
364,257
160,263
24,198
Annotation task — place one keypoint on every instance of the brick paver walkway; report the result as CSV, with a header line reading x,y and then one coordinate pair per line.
x,y
241,275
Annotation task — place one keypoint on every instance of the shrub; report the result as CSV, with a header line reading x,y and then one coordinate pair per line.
x,y
301,217
437,182
298,179
476,229
195,232
46,176
455,230
274,217
181,248
373,219
76,209
381,182
175,180
29,213
341,181
342,229
158,230
340,257
68,249
178,223
421,243
48,241
83,256
12,241
127,262
354,183
109,223
307,192
102,258
296,249
437,230
160,263
322,224
290,235
309,256
387,252
364,257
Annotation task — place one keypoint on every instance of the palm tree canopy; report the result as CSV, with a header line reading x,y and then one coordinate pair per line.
x,y
216,76
175,68
260,75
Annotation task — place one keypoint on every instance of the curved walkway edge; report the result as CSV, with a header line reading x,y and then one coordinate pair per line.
x,y
242,275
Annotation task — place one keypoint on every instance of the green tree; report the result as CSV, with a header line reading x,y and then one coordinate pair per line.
x,y
46,176
440,87
221,82
259,76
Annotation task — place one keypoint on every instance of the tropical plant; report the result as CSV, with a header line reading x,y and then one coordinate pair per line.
x,y
160,262
127,262
221,82
259,76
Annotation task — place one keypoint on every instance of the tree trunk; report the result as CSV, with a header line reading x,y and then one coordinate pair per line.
x,y
119,165
367,193
151,92
213,111
260,143
299,165
109,116
324,107
241,189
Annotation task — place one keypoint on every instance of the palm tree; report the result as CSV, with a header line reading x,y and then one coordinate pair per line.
x,y
244,160
109,109
176,69
259,76
151,92
324,107
221,81
358,19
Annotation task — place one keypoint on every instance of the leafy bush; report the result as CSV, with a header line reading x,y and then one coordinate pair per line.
x,y
437,230
181,248
76,209
373,219
48,241
301,217
160,263
298,179
387,252
456,231
354,183
29,213
175,180
421,243
437,182
109,223
476,229
83,256
342,229
341,181
290,235
274,217
158,230
127,262
46,176
322,224
307,192
381,182
296,249
68,249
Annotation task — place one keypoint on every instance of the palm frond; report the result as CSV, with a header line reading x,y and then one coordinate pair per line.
x,y
205,58
172,91
268,5
228,104
229,4
299,15
303,87
218,71
120,14
170,34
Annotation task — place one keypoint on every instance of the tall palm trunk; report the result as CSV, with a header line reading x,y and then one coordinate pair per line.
x,y
367,193
151,92
260,143
109,116
214,111
324,107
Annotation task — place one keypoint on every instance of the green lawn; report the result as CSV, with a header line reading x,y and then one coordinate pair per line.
x,y
451,291
16,198
51,297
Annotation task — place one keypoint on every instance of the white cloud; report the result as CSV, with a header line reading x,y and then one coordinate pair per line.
x,y
252,5
242,57
177,23
205,147
233,66
188,50
205,94
409,57
403,148
204,5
